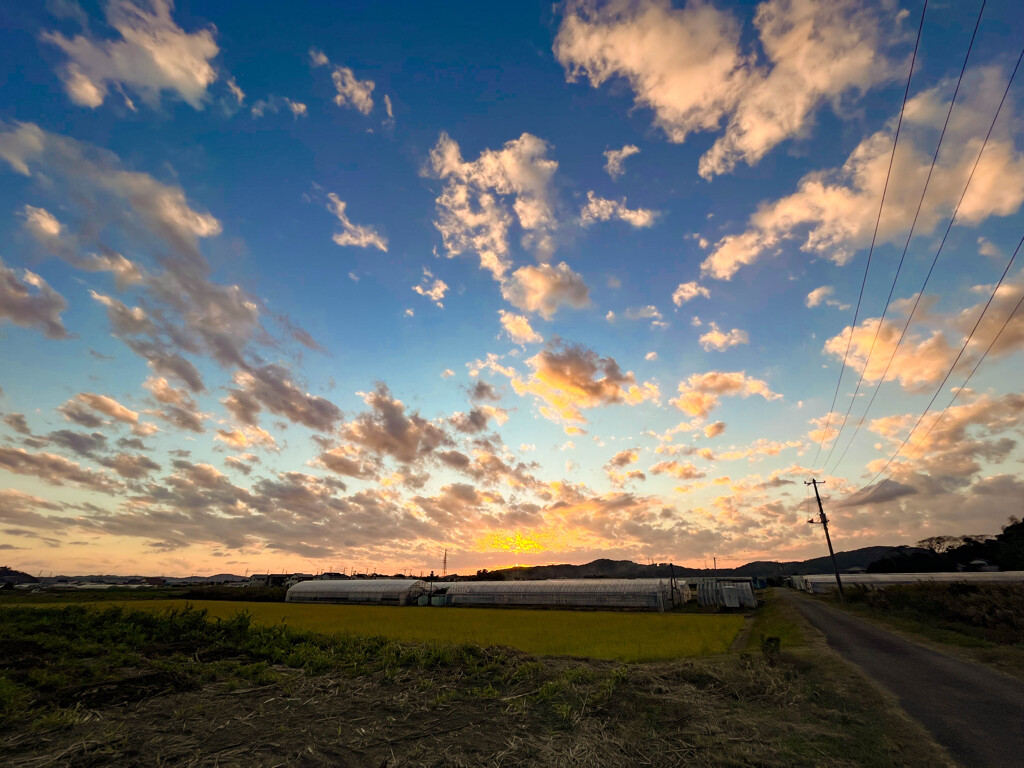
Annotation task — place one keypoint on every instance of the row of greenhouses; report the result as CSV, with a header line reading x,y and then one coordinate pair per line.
x,y
630,594
819,583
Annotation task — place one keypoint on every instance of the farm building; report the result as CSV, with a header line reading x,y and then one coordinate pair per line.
x,y
819,583
637,594
371,591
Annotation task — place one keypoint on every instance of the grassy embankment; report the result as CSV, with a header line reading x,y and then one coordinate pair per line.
x,y
101,686
984,622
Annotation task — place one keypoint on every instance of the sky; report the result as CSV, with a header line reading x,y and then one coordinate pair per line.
x,y
346,286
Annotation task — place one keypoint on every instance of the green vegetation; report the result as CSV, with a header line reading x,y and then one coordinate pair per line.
x,y
602,635
85,685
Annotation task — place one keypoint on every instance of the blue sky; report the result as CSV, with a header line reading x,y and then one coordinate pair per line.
x,y
338,286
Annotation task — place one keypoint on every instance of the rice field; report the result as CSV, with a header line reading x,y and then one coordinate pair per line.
x,y
601,635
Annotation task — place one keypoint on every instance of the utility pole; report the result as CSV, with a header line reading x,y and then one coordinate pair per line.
x,y
824,524
444,566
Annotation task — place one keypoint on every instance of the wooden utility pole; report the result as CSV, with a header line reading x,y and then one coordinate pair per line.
x,y
823,520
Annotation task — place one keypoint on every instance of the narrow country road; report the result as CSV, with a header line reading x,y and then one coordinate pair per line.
x,y
973,711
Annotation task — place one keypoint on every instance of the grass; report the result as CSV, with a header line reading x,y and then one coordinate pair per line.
x,y
983,622
120,685
594,634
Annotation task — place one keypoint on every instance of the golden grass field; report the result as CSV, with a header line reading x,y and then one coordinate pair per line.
x,y
602,635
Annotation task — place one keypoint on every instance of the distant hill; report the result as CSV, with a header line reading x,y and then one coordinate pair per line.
x,y
627,569
11,576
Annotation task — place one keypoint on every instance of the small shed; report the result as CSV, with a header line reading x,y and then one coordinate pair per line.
x,y
358,591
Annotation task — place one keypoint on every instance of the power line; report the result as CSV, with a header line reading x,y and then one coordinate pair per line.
x,y
878,219
906,246
951,367
963,386
935,259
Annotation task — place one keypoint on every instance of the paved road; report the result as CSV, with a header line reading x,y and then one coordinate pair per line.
x,y
976,713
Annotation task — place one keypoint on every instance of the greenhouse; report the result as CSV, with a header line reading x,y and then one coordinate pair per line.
x,y
819,583
636,594
364,591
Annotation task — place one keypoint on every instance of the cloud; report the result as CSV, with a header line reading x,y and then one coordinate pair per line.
x,y
271,387
54,469
351,91
714,429
447,373
570,378
715,338
481,199
434,291
275,104
677,470
651,356
17,422
107,406
987,248
131,466
82,443
388,430
700,393
544,288
318,58
191,313
31,303
246,437
354,234
615,159
688,67
153,55
686,291
237,92
969,433
834,211
41,224
518,328
602,209
624,458
820,295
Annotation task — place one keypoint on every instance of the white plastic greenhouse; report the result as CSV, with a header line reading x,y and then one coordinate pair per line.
x,y
373,591
818,583
638,594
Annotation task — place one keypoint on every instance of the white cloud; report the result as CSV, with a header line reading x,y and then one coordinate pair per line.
x,y
153,55
651,356
518,328
41,224
318,58
544,288
615,159
987,248
602,209
351,91
821,295
434,291
358,235
835,211
691,290
687,66
700,393
481,199
275,104
237,92
447,373
717,339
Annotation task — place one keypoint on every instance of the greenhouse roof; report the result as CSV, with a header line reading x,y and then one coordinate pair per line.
x,y
356,586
